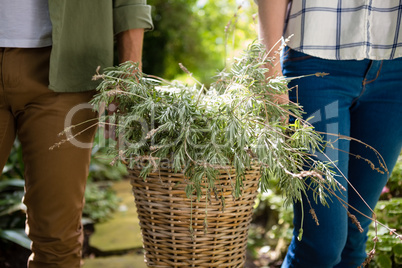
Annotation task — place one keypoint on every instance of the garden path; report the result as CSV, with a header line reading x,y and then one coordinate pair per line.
x,y
119,238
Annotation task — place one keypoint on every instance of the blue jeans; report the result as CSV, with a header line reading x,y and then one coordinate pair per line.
x,y
363,100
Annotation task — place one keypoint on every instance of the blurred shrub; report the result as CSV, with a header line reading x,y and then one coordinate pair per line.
x,y
101,201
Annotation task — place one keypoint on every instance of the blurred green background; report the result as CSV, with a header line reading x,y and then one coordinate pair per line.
x,y
203,35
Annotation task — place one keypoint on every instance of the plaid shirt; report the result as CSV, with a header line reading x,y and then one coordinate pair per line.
x,y
346,29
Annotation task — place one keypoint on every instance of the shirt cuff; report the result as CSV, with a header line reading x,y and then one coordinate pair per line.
x,y
133,16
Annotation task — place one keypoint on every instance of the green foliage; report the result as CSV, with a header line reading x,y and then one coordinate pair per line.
x,y
17,236
170,39
14,167
192,32
389,249
395,181
100,168
12,211
388,212
100,202
233,123
271,228
100,199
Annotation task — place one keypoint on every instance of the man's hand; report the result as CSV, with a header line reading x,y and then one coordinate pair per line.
x,y
129,45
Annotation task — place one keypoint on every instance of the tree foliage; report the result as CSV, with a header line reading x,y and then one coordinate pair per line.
x,y
193,33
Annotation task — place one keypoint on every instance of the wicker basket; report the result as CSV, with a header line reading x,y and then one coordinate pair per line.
x,y
165,214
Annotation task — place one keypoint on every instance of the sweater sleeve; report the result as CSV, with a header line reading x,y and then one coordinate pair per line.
x,y
131,14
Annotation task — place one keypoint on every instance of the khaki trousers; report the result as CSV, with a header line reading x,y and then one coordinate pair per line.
x,y
54,179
